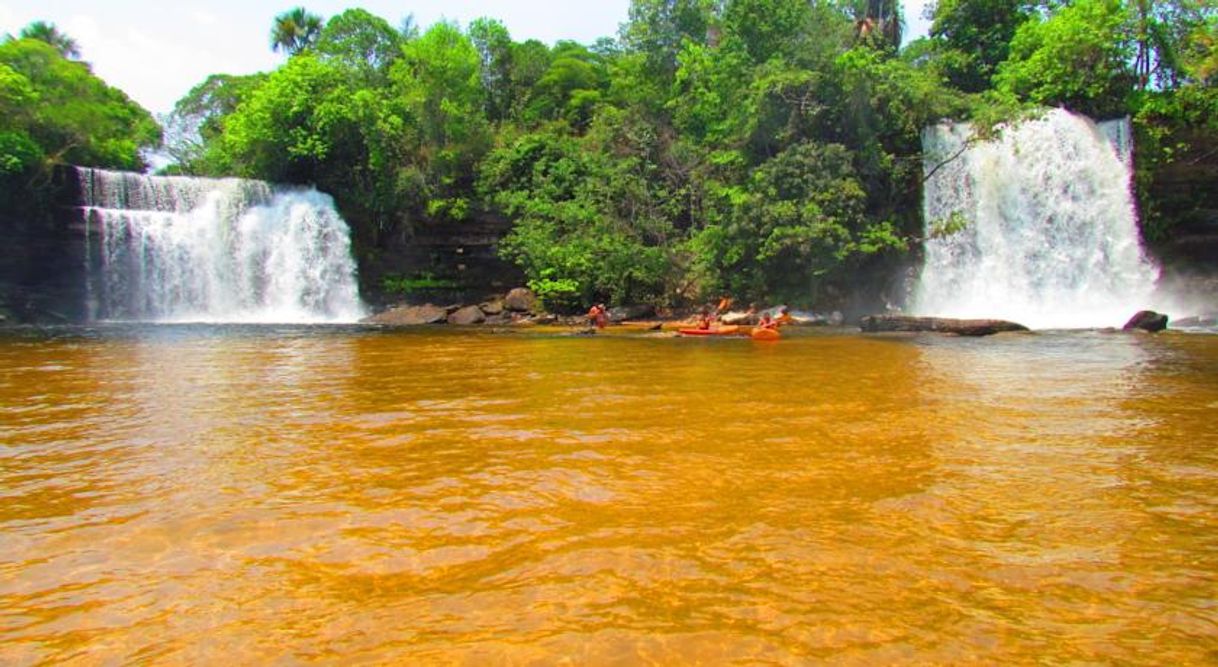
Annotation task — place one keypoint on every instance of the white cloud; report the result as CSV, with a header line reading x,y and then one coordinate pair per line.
x,y
7,17
204,17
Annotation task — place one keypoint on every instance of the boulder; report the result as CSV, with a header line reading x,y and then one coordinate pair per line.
x,y
1146,320
520,300
467,315
738,317
623,313
411,315
887,323
492,307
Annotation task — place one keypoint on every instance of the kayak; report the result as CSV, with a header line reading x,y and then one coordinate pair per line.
x,y
729,330
765,334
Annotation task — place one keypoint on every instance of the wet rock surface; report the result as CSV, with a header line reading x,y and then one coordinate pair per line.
x,y
909,323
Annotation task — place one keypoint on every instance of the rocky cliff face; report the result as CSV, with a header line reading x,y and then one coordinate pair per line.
x,y
42,266
1185,197
459,258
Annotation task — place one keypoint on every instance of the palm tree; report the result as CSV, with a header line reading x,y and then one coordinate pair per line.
x,y
47,32
295,31
878,22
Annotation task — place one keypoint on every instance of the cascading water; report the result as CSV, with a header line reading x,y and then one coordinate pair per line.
x,y
1047,232
215,250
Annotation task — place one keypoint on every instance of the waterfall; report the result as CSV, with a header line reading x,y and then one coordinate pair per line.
x,y
1040,225
215,250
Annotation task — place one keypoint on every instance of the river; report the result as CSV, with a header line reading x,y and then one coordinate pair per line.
x,y
196,494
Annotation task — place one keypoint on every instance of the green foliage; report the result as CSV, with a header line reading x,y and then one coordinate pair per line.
x,y
362,43
47,32
1079,58
974,37
68,113
295,30
953,224
658,28
585,222
407,285
560,295
19,154
796,226
195,124
769,149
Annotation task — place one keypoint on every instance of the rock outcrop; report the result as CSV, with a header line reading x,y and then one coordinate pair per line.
x,y
467,315
1146,320
411,315
624,313
891,323
520,300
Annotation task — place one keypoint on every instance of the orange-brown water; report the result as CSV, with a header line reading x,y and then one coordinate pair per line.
x,y
197,495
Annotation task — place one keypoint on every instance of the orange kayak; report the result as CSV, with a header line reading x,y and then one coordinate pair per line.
x,y
729,330
765,334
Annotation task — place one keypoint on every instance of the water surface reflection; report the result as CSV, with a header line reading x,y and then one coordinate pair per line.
x,y
357,495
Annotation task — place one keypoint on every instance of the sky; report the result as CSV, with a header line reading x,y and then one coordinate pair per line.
x,y
157,51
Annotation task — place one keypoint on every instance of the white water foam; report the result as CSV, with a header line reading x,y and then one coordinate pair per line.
x,y
181,249
1050,238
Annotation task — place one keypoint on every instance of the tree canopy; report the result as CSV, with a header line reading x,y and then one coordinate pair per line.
x,y
54,109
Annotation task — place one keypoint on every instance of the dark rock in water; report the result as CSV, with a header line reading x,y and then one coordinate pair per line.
x,y
1147,320
411,315
623,313
520,300
467,315
887,323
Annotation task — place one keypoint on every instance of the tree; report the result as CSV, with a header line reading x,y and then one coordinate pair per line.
x,y
494,45
1167,34
1079,57
657,28
195,126
68,113
363,43
586,224
975,37
47,32
766,28
793,229
878,23
571,87
295,30
438,80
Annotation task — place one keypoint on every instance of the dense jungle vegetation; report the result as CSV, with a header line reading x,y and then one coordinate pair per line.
x,y
767,149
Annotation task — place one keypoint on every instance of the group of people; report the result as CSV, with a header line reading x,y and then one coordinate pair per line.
x,y
598,316
764,321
